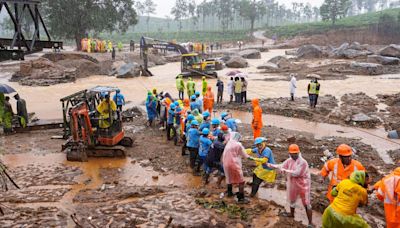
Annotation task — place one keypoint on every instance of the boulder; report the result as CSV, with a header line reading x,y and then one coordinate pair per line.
x,y
360,117
117,64
384,60
392,50
250,54
291,52
157,59
367,68
281,61
237,62
309,51
356,46
268,66
352,54
128,70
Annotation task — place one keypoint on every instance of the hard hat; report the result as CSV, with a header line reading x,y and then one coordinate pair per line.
x,y
205,131
176,103
172,106
193,97
190,117
203,77
215,121
223,115
344,150
259,140
118,90
195,123
224,128
197,93
206,114
294,149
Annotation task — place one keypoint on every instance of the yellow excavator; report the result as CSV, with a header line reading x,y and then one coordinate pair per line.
x,y
192,64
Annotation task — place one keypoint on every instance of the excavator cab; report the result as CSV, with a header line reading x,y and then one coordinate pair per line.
x,y
94,125
193,65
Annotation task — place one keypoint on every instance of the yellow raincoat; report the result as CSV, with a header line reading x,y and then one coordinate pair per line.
x,y
265,174
102,108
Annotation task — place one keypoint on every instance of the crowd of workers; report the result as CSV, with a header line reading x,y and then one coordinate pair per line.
x,y
213,144
7,114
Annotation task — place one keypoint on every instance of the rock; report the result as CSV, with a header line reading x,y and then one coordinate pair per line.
x,y
291,139
309,51
356,46
129,70
250,54
384,60
117,64
291,52
360,117
157,59
281,61
268,66
237,62
392,50
367,68
352,54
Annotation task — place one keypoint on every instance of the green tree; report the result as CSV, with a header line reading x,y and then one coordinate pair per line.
x,y
179,11
149,7
252,10
331,10
74,19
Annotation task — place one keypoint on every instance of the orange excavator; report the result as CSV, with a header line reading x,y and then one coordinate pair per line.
x,y
85,137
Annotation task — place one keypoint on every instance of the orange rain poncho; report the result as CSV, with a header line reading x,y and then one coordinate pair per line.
x,y
186,107
208,101
339,173
257,123
388,191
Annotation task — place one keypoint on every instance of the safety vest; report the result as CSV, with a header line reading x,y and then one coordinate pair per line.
x,y
313,88
391,200
334,177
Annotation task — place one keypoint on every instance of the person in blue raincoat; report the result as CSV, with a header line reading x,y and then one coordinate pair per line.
x,y
229,121
193,103
206,121
170,121
263,156
177,122
119,99
215,130
151,108
199,101
192,138
205,144
187,126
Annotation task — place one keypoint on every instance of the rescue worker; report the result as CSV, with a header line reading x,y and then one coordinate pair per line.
x,y
197,116
229,121
231,89
8,115
190,87
170,121
232,163
204,147
119,46
312,93
220,91
119,99
256,123
208,100
244,90
340,168
180,86
349,194
204,86
109,46
89,45
199,101
151,108
215,127
206,121
113,54
193,103
317,92
388,191
21,111
213,159
292,86
164,112
264,157
187,125
177,122
298,184
1,108
192,137
238,90
104,109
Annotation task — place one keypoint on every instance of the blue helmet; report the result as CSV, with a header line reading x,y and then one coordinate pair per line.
x,y
215,121
118,91
223,115
197,93
190,117
193,97
259,140
205,131
195,123
172,106
206,114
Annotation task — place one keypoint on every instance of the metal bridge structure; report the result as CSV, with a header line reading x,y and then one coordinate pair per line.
x,y
21,45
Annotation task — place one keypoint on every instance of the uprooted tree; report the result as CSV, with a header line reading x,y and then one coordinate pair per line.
x,y
74,19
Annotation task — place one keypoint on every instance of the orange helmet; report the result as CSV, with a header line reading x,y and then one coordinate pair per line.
x,y
224,128
344,150
294,149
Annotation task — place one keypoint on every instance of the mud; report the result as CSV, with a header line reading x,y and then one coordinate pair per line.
x,y
391,112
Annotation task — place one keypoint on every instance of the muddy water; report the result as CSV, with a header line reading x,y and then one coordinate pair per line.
x,y
44,101
373,137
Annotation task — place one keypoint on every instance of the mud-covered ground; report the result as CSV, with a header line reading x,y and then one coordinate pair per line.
x,y
154,186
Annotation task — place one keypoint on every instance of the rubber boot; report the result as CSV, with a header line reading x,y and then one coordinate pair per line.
x,y
229,192
241,198
254,190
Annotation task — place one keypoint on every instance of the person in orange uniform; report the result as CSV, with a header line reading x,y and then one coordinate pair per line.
x,y
339,169
185,109
257,123
208,102
388,191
